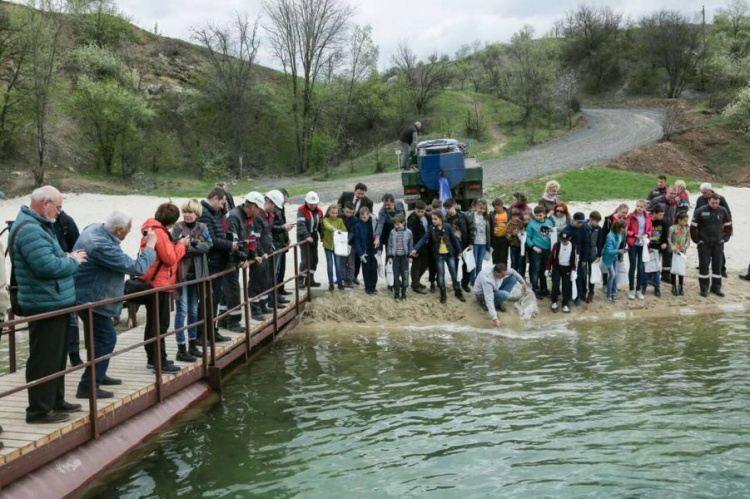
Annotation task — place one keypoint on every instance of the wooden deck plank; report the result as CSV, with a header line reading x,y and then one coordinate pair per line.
x,y
20,438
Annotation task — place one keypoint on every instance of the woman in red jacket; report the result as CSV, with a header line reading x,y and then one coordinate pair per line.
x,y
163,272
637,233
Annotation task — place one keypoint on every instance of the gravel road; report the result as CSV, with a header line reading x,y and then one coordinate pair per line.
x,y
608,133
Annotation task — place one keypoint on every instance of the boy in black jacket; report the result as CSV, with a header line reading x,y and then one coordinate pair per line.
x,y
419,226
463,227
657,242
561,266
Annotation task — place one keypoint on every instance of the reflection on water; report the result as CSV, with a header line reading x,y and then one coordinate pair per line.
x,y
654,408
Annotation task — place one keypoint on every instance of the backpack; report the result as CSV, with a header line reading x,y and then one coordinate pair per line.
x,y
15,306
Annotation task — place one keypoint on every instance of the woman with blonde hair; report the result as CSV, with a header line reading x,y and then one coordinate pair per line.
x,y
683,196
550,197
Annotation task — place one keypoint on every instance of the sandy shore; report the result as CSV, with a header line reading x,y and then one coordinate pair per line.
x,y
359,308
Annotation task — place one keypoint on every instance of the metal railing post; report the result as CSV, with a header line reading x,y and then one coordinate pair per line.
x,y
91,358
296,278
12,344
157,335
208,320
246,310
309,271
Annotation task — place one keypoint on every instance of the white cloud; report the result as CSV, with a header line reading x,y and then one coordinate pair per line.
x,y
435,25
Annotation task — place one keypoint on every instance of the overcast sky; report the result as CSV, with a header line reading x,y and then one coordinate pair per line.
x,y
428,26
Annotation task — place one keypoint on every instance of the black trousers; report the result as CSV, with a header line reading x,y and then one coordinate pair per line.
x,y
561,276
150,330
313,263
232,295
419,266
499,250
710,255
400,272
48,351
259,279
432,267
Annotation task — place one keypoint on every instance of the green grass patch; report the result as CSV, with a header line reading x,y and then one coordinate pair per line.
x,y
725,159
589,184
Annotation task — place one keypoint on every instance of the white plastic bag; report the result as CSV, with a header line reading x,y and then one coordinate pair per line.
x,y
381,270
527,306
645,253
552,237
654,264
341,243
522,237
678,264
573,287
469,260
389,273
602,268
596,272
488,255
622,274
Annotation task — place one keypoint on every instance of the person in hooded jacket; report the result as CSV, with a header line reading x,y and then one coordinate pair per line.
x,y
163,272
309,229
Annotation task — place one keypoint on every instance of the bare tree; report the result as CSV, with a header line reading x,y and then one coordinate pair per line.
x,y
13,51
44,26
305,37
593,47
231,54
674,44
566,88
423,80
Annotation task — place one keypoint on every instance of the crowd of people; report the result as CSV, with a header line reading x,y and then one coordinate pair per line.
x,y
55,267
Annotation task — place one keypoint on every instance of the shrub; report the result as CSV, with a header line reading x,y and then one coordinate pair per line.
x,y
738,112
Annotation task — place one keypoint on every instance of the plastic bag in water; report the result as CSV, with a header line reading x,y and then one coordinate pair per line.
x,y
527,306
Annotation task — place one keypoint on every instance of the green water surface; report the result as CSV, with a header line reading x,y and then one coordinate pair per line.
x,y
628,409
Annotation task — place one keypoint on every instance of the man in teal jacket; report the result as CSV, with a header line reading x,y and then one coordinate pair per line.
x,y
44,275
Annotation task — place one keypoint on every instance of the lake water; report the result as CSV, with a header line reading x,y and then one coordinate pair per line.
x,y
627,409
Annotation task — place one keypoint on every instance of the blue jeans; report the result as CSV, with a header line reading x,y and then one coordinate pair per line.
x,y
501,294
449,260
635,258
479,252
187,305
332,258
105,339
612,278
536,272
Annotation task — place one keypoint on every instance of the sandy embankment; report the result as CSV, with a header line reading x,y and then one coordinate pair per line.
x,y
361,309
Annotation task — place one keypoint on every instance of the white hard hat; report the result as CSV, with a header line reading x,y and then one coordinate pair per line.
x,y
276,197
312,198
256,198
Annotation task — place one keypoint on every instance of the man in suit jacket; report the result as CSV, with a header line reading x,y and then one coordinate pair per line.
x,y
360,200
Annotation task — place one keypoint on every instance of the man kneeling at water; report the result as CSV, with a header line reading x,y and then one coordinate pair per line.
x,y
493,286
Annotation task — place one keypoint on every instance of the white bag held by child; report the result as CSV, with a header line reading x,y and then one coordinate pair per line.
x,y
678,264
645,253
622,275
552,237
596,272
522,237
341,243
573,286
469,260
654,264
527,306
389,273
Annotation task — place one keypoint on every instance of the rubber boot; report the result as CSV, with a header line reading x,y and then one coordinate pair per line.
x,y
716,287
460,296
443,296
704,286
193,349
183,355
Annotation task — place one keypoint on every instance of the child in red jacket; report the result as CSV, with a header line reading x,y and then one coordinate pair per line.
x,y
637,233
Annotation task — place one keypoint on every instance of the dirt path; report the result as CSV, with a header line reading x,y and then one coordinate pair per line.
x,y
608,133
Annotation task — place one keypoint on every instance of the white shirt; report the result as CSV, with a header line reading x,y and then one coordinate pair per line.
x,y
566,250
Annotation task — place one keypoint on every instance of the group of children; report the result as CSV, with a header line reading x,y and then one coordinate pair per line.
x,y
577,252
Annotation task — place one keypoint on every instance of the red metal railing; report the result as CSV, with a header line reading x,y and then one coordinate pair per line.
x,y
205,323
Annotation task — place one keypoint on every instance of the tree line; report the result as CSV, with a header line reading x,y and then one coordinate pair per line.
x,y
72,84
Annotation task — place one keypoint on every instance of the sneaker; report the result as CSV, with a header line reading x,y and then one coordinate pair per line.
x,y
100,394
166,368
631,295
554,308
566,309
577,303
657,293
640,296
50,418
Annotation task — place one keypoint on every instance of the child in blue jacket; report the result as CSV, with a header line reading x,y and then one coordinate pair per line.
x,y
364,246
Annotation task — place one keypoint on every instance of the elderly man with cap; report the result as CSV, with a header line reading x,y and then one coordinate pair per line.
x,y
259,280
309,216
493,286
407,140
44,274
706,191
279,232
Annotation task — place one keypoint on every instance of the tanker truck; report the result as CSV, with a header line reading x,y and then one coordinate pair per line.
x,y
442,161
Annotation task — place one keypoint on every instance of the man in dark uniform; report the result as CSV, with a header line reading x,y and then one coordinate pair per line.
x,y
407,139
710,229
706,191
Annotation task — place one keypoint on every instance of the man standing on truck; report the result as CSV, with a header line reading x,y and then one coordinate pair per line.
x,y
408,138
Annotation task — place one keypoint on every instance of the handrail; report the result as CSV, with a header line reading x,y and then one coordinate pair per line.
x,y
206,323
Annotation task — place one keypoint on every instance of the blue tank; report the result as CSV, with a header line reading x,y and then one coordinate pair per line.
x,y
441,158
